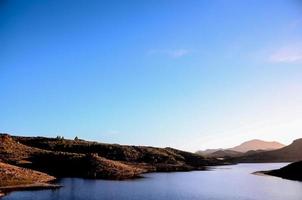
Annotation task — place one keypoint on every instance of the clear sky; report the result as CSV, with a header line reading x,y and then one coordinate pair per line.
x,y
186,74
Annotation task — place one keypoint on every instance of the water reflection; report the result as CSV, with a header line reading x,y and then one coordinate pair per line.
x,y
222,183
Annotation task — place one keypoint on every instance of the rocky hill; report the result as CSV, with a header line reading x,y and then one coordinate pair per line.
x,y
57,157
12,175
124,153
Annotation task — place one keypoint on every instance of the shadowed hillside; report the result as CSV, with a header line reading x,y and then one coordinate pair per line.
x,y
124,153
292,171
58,157
62,164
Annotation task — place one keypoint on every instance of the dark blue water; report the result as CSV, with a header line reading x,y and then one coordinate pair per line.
x,y
222,183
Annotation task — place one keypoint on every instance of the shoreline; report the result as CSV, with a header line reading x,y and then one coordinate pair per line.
x,y
35,186
261,173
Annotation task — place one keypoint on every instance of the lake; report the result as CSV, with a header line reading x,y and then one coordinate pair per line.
x,y
234,182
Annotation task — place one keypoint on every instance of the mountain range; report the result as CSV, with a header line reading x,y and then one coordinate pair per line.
x,y
290,153
248,147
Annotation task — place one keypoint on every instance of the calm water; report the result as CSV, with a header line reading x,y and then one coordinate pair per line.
x,y
222,183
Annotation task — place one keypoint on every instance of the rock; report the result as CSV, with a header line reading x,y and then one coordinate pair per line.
x,y
1,194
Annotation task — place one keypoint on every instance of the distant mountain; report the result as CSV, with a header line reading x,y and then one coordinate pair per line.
x,y
207,152
246,148
290,153
254,145
225,153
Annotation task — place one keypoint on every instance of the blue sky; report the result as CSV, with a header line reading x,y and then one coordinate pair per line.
x,y
186,74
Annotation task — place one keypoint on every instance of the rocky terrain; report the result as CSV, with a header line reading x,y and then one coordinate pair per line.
x,y
142,157
58,157
13,177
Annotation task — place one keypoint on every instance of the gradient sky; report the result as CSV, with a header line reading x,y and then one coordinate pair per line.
x,y
186,74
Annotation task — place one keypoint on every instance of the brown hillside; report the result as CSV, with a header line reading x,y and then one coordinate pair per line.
x,y
124,153
13,175
59,157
